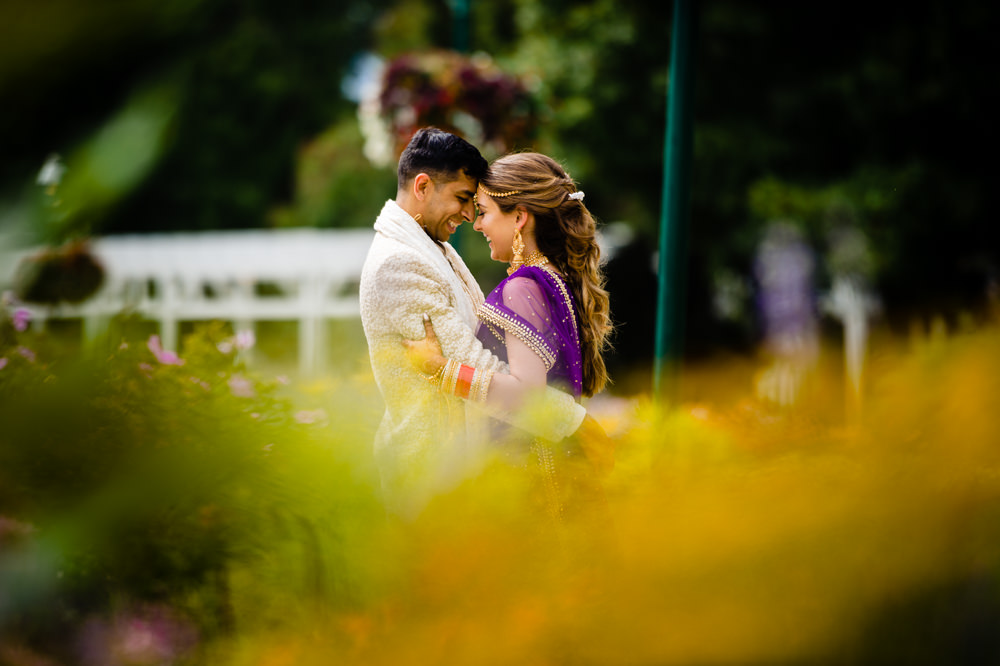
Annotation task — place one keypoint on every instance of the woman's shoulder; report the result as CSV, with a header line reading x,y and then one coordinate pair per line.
x,y
528,281
526,276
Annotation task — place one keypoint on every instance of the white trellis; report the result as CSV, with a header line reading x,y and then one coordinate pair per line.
x,y
310,275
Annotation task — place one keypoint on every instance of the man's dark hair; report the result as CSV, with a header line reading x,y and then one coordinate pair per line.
x,y
440,155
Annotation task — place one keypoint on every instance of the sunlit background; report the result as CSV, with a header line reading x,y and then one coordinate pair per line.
x,y
187,193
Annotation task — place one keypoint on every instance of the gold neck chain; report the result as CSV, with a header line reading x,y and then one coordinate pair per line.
x,y
535,258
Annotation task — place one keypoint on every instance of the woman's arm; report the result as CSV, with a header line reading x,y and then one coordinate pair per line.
x,y
520,396
528,376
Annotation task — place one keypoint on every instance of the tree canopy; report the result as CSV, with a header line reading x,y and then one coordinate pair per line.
x,y
860,115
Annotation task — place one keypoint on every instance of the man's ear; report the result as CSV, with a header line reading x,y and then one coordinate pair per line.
x,y
421,184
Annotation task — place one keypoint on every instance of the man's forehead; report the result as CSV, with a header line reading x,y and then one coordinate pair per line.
x,y
464,184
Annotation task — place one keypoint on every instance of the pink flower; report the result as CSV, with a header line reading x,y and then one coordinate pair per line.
x,y
11,528
245,340
144,635
309,416
3,362
201,382
21,319
26,353
163,356
241,387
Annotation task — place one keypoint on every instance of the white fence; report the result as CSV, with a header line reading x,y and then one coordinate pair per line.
x,y
302,275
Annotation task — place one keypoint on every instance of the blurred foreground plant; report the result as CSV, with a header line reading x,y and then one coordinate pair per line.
x,y
149,496
737,533
140,485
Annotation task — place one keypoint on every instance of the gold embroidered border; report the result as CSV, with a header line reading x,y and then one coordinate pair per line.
x,y
491,314
497,332
566,298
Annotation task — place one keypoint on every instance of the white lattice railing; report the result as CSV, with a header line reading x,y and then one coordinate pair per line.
x,y
310,275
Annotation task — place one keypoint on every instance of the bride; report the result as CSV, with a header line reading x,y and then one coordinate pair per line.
x,y
549,319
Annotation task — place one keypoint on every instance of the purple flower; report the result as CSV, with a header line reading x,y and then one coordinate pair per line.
x,y
3,362
26,353
163,356
21,319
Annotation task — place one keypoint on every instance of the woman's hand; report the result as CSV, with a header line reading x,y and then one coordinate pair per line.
x,y
426,355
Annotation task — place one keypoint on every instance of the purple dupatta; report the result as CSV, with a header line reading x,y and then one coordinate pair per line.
x,y
536,306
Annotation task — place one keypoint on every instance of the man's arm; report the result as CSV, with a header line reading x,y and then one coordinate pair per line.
x,y
409,288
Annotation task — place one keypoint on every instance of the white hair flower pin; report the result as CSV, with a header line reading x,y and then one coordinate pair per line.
x,y
576,196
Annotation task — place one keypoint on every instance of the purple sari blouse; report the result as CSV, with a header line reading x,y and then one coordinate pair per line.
x,y
535,305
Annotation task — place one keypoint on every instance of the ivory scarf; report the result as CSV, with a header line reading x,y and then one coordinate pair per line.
x,y
397,224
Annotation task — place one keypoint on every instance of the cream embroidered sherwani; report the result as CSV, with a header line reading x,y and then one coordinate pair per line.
x,y
428,441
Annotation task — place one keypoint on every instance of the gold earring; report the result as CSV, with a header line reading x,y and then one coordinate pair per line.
x,y
518,246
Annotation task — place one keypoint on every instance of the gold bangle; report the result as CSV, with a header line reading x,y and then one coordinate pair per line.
x,y
436,377
450,377
481,385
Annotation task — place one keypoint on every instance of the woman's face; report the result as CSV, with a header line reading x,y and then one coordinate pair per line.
x,y
497,226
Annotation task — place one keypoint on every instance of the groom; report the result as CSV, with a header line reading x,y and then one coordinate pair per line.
x,y
427,439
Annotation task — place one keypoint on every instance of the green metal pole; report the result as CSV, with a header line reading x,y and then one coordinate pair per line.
x,y
460,25
675,208
460,42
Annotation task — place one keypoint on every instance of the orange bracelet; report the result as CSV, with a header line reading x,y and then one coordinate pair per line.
x,y
464,382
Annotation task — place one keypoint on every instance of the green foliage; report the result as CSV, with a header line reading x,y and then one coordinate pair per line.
x,y
258,82
409,25
249,83
335,184
112,162
147,478
878,110
867,115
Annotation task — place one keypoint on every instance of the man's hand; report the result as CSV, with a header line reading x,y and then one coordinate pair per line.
x,y
426,355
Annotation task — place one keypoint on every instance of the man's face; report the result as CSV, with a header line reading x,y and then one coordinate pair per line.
x,y
448,205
